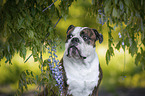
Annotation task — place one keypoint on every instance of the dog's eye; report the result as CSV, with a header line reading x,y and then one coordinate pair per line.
x,y
69,36
86,38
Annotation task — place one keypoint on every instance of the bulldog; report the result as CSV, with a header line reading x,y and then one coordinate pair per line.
x,y
81,69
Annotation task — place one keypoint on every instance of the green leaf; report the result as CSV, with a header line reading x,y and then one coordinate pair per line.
x,y
57,11
27,72
23,51
121,5
143,63
34,50
138,58
30,34
37,77
115,12
32,74
126,41
65,16
8,48
125,18
133,48
22,89
44,48
20,21
29,81
110,19
107,57
108,8
6,61
25,84
50,29
127,2
35,59
5,29
127,10
111,51
143,41
18,93
118,45
116,1
93,2
141,50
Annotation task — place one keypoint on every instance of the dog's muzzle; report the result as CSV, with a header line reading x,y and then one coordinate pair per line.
x,y
73,50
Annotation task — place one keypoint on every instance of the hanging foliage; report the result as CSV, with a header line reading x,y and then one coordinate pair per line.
x,y
28,25
130,15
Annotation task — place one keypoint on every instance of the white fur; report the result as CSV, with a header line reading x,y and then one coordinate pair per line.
x,y
82,74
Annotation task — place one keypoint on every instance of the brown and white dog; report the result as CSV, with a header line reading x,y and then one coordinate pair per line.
x,y
81,70
82,73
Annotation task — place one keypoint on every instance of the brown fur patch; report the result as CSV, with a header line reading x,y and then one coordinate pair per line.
x,y
70,30
88,33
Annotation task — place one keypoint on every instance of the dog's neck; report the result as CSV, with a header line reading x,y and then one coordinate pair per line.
x,y
86,62
82,74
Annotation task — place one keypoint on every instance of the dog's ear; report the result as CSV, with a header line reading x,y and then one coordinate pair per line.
x,y
70,28
99,36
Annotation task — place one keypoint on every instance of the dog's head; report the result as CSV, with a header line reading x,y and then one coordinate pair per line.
x,y
80,42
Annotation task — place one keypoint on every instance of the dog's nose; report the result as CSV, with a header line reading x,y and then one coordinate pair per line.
x,y
75,40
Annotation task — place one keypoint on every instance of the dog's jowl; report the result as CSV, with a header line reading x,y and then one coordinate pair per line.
x,y
82,73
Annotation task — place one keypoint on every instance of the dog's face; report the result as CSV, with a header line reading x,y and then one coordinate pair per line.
x,y
80,42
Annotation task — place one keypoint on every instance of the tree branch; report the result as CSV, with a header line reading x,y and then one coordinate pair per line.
x,y
49,6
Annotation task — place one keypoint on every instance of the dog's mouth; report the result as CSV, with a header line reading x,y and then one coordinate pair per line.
x,y
74,52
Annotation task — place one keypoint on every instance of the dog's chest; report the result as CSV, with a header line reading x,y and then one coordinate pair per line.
x,y
81,78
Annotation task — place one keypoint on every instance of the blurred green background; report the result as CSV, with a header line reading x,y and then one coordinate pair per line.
x,y
120,74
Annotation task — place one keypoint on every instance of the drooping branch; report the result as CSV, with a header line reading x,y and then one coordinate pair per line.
x,y
49,6
45,37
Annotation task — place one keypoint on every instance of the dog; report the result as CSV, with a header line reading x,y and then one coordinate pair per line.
x,y
81,69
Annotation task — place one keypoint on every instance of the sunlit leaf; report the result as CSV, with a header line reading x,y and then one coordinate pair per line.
x,y
30,34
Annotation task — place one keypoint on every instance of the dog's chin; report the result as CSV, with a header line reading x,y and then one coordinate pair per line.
x,y
74,52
